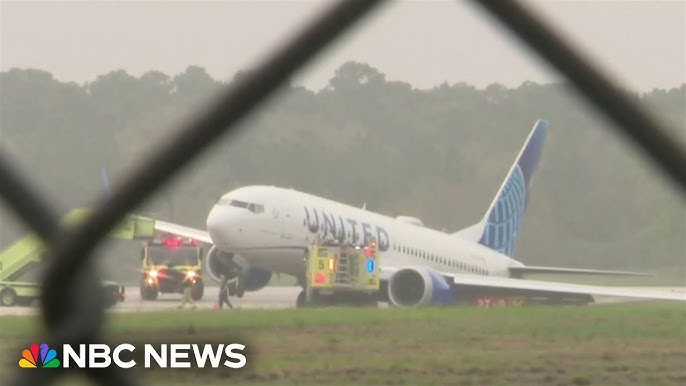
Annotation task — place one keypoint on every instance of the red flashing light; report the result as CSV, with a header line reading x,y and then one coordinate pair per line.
x,y
176,242
172,242
319,278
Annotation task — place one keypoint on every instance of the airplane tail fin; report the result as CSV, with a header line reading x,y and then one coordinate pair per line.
x,y
499,228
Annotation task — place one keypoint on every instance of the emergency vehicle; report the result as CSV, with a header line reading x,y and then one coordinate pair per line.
x,y
167,262
341,273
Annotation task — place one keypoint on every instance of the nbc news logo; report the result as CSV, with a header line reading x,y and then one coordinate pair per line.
x,y
30,359
162,356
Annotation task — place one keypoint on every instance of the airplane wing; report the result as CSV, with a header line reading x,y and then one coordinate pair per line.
x,y
183,231
565,288
533,287
518,271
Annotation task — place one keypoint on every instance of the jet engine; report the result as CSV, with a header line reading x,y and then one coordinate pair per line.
x,y
419,286
242,276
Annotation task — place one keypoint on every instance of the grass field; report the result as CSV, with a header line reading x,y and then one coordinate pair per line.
x,y
620,344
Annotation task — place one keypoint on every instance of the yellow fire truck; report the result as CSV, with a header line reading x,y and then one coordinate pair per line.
x,y
341,273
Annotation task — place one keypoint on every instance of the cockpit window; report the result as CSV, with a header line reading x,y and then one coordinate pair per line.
x,y
256,208
239,204
253,207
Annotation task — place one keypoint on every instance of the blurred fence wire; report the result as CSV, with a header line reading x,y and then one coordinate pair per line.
x,y
71,309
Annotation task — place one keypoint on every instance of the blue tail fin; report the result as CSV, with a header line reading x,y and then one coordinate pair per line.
x,y
500,226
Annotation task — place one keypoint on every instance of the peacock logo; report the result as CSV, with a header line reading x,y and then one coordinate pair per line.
x,y
48,357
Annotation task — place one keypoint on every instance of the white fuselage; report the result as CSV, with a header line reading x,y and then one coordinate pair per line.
x,y
271,227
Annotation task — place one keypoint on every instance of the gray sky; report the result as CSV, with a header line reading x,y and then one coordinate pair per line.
x,y
420,42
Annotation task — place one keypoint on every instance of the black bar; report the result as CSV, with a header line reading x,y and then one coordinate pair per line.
x,y
71,248
232,106
229,109
26,203
630,117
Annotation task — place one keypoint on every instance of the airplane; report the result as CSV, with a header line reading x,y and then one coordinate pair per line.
x,y
267,229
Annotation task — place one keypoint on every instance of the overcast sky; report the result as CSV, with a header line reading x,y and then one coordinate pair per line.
x,y
420,42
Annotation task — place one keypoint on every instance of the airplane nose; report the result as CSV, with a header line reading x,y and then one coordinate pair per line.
x,y
219,224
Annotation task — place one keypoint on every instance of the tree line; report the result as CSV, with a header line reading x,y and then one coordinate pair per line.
x,y
438,154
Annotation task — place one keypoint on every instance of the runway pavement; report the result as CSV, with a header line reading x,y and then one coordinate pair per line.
x,y
266,298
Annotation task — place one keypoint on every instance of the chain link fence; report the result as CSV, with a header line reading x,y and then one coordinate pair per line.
x,y
72,308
